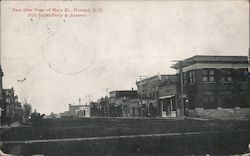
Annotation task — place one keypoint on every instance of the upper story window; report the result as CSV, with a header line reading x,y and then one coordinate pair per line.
x,y
191,77
226,75
207,75
243,75
184,78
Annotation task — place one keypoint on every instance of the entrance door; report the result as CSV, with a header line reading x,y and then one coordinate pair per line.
x,y
164,107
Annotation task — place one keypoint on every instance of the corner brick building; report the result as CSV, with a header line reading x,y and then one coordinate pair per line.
x,y
215,85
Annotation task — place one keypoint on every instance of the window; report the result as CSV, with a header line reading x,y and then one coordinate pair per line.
x,y
209,101
211,75
208,98
191,77
243,75
208,75
184,78
226,76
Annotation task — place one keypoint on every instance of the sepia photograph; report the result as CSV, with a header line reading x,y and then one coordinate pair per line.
x,y
124,78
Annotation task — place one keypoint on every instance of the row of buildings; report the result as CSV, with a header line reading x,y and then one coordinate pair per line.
x,y
79,111
10,108
204,86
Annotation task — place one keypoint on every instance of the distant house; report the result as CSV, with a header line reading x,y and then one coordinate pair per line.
x,y
83,111
13,108
78,111
10,108
214,85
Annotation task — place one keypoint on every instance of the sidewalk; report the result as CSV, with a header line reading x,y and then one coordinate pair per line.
x,y
14,124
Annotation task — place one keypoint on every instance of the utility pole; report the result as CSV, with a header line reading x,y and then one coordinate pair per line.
x,y
107,90
180,67
141,94
181,85
249,59
88,96
79,101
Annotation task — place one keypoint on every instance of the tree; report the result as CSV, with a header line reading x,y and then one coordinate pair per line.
x,y
52,115
27,110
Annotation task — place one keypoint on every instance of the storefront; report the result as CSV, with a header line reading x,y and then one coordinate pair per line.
x,y
167,106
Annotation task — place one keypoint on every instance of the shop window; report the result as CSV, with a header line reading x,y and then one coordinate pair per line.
x,y
208,98
209,101
208,75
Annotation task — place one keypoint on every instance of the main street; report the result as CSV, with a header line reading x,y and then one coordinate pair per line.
x,y
116,136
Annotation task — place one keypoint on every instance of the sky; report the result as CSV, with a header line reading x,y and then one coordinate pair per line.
x,y
54,61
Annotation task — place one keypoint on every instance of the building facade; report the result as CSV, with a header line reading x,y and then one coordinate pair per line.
x,y
1,96
119,103
76,111
214,85
167,97
157,94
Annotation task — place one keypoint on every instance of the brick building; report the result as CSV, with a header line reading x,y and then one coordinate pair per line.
x,y
167,97
1,96
214,85
158,95
119,103
102,106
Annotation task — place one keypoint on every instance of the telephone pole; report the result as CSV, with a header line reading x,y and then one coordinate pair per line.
x,y
140,77
180,67
107,90
181,81
88,96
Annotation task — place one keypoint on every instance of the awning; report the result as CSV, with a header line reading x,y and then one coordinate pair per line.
x,y
166,97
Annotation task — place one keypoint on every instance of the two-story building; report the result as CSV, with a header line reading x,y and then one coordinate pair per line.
x,y
78,111
167,97
214,86
1,97
157,94
119,103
